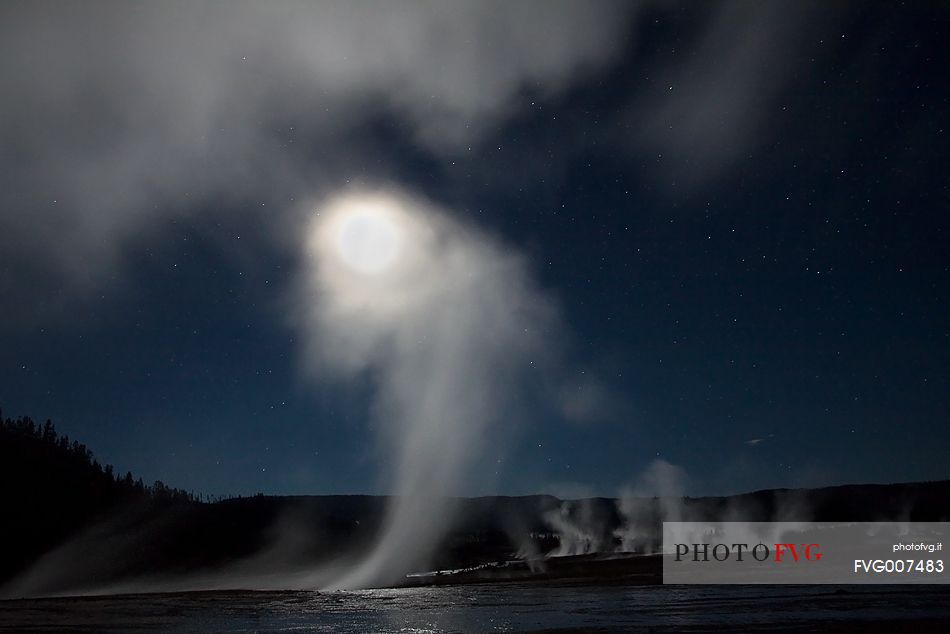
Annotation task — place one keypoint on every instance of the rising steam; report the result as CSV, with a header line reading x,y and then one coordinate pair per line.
x,y
444,320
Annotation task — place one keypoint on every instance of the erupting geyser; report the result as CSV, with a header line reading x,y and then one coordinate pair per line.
x,y
444,318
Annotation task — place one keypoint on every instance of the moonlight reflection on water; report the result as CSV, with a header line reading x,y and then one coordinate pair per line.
x,y
503,608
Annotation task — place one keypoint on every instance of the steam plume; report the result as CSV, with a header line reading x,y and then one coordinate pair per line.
x,y
444,320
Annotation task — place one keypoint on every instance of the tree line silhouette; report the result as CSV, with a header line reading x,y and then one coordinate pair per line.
x,y
51,487
73,457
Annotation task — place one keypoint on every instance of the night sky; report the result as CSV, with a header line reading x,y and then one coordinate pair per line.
x,y
738,212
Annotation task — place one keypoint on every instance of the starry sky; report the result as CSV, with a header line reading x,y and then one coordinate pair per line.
x,y
738,210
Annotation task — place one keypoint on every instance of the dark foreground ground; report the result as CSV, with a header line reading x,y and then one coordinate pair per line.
x,y
509,607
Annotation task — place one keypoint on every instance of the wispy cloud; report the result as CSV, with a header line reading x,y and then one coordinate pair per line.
x,y
118,116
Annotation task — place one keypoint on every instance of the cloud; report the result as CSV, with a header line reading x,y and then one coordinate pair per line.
x,y
120,115
587,400
712,102
752,442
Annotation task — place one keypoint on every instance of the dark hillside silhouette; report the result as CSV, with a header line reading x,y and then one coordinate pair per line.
x,y
51,487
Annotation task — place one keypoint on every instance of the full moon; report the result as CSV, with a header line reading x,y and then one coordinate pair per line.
x,y
367,239
377,253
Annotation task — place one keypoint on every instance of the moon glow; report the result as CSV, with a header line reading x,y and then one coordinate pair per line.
x,y
367,240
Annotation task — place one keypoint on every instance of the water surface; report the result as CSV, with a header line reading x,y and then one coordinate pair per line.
x,y
496,608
